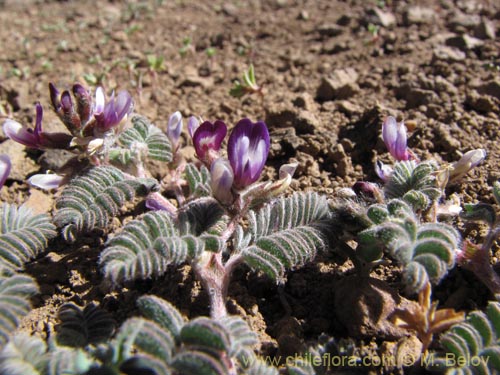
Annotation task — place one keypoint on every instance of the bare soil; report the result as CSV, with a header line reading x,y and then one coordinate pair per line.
x,y
331,70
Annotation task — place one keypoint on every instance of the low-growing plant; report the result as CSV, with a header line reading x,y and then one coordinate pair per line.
x,y
161,343
214,214
248,85
403,221
471,347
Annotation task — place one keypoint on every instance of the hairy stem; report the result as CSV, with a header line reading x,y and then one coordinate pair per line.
x,y
480,264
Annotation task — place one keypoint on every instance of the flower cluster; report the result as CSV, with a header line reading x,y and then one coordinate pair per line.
x,y
86,119
247,151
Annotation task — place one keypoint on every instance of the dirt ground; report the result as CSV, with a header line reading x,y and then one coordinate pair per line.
x,y
331,71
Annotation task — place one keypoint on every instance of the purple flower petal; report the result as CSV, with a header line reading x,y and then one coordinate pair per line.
x,y
46,181
192,125
174,128
113,112
20,134
5,166
208,137
395,137
383,171
222,180
100,100
38,120
83,102
54,96
247,149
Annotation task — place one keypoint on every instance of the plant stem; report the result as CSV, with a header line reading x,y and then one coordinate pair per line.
x,y
480,264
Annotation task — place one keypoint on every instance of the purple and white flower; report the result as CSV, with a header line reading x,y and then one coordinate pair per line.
x,y
468,161
21,134
207,140
5,166
46,181
192,125
383,171
395,137
174,129
113,112
247,150
222,179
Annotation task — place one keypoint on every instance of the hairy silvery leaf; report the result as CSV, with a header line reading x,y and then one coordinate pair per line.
x,y
198,180
91,199
143,364
425,250
478,337
199,216
143,137
145,336
205,332
286,233
65,360
410,175
241,336
163,313
195,362
15,293
479,211
24,355
80,327
146,246
23,235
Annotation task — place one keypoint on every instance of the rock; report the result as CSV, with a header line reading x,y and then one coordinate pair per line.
x,y
419,15
448,54
491,88
485,30
340,85
192,79
446,139
349,108
305,122
329,30
305,101
464,42
482,103
364,305
307,165
284,142
377,16
332,47
460,21
342,163
415,97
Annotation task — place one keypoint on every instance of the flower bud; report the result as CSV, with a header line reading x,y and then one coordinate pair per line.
x,y
192,125
394,136
174,129
467,162
83,102
222,178
247,149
